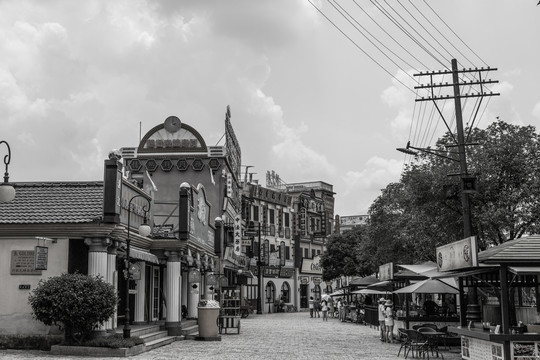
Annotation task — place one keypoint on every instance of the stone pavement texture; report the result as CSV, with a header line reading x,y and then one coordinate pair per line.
x,y
273,336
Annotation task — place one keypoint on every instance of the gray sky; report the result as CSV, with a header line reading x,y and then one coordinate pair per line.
x,y
78,77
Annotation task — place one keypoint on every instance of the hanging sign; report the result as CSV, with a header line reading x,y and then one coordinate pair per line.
x,y
41,255
194,276
238,235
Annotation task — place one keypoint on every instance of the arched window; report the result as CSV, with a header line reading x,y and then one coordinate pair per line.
x,y
328,289
270,292
286,292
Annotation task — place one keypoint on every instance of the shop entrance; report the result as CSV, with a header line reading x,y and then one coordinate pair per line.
x,y
303,296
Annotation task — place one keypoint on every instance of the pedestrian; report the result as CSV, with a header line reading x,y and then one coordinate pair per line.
x,y
389,320
331,307
382,329
316,308
311,306
343,310
324,309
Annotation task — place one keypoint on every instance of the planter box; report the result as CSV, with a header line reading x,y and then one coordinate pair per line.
x,y
97,351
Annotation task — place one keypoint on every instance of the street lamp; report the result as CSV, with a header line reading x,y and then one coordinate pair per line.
x,y
7,192
144,230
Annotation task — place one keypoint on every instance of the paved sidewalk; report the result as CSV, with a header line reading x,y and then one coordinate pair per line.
x,y
273,336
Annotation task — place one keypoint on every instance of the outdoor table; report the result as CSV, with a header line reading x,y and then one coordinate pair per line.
x,y
433,339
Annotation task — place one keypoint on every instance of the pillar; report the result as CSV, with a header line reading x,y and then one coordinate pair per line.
x,y
112,278
172,323
194,290
140,296
97,260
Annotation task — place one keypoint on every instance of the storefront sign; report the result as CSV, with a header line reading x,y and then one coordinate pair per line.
x,y
311,266
386,271
211,280
317,280
286,272
304,280
41,255
458,255
238,235
22,263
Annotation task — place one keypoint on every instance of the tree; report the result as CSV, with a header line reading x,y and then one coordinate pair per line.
x,y
76,303
341,257
423,211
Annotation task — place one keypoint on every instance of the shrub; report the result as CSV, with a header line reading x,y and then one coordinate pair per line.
x,y
29,342
115,341
76,303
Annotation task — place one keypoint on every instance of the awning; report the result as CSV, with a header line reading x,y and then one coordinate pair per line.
x,y
144,255
385,285
370,291
421,268
469,272
337,293
246,273
429,286
525,270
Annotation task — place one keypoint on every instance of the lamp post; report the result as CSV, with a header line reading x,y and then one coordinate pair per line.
x,y
7,192
144,230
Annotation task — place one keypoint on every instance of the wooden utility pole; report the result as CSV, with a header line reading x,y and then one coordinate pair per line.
x,y
467,181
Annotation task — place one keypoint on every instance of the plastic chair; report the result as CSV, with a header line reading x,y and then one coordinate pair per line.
x,y
418,342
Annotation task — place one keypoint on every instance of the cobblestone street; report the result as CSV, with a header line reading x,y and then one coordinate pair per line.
x,y
274,336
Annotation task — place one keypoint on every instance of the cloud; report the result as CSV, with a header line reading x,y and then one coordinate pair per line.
x,y
536,110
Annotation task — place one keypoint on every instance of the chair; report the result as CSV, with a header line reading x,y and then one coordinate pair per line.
x,y
447,336
405,342
418,342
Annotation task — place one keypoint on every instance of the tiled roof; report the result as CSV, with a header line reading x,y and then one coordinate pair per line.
x,y
54,202
525,249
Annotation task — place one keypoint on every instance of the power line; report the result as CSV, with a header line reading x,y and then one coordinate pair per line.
x,y
358,46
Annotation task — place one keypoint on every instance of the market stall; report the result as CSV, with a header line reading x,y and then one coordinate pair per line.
x,y
504,281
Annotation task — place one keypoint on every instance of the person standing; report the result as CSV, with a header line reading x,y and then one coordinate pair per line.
x,y
311,306
389,320
316,308
331,307
324,309
382,329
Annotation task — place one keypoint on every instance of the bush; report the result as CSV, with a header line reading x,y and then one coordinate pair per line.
x,y
29,342
76,303
115,341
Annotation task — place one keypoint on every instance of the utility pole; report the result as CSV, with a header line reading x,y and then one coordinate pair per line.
x,y
467,182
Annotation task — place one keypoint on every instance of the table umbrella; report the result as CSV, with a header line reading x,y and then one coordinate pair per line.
x,y
428,286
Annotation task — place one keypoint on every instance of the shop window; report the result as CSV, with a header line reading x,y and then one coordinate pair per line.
x,y
317,292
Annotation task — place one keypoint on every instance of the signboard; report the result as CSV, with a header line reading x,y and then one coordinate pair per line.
x,y
458,255
311,266
238,235
41,255
304,280
286,272
282,253
266,252
211,280
22,263
386,271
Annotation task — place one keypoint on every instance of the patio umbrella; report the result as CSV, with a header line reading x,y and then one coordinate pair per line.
x,y
428,286
370,291
385,285
326,297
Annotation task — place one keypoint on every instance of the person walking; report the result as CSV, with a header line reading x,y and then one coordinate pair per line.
x,y
324,309
316,308
382,329
389,320
311,306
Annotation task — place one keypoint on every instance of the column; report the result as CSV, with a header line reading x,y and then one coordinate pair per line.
x,y
112,278
194,289
172,323
97,260
140,296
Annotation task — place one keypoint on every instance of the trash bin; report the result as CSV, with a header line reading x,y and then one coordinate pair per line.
x,y
208,313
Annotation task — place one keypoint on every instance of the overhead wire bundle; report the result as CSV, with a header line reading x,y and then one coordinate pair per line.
x,y
410,37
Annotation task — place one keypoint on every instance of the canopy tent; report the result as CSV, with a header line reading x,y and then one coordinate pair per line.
x,y
430,286
385,285
421,268
339,292
370,291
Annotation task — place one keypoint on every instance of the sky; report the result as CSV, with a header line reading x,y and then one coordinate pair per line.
x,y
311,97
